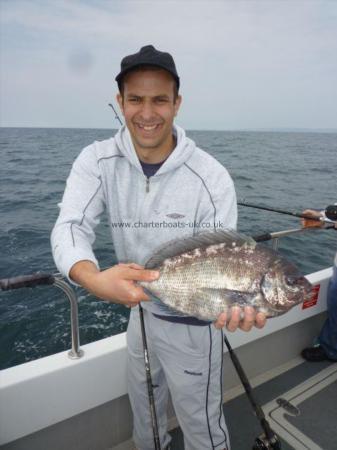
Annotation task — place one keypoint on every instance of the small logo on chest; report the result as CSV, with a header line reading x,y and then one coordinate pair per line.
x,y
175,216
189,372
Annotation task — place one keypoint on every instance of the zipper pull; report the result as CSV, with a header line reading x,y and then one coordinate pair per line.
x,y
147,185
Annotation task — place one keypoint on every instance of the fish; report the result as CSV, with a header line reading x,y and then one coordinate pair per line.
x,y
207,274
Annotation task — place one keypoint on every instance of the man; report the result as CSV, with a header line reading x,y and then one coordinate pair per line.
x,y
326,348
158,186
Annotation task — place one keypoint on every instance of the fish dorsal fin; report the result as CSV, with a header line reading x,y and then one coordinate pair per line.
x,y
186,244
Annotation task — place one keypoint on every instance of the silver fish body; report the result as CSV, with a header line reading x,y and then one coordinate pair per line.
x,y
206,275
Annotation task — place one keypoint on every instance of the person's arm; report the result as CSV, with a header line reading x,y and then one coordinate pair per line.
x,y
82,205
74,234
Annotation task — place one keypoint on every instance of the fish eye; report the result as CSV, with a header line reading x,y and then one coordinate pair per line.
x,y
293,282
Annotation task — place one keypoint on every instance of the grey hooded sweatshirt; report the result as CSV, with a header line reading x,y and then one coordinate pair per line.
x,y
190,193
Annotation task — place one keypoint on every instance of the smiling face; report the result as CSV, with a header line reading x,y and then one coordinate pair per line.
x,y
149,104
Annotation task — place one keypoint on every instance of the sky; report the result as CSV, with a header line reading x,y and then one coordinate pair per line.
x,y
243,64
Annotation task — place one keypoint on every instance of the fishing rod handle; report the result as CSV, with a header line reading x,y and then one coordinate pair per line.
x,y
263,237
21,281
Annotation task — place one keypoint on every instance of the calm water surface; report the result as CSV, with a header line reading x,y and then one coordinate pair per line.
x,y
292,171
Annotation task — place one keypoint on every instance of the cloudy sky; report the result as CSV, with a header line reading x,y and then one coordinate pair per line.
x,y
243,64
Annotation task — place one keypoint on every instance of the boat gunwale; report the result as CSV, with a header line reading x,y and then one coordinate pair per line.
x,y
43,392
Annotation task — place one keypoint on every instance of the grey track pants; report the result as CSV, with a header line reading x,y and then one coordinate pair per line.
x,y
187,360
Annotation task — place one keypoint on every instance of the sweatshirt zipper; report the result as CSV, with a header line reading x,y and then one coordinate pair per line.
x,y
147,189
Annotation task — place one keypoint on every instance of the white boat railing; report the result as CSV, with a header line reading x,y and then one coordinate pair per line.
x,y
35,395
57,280
76,352
51,280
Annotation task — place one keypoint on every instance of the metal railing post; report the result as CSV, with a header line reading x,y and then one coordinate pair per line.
x,y
75,352
275,243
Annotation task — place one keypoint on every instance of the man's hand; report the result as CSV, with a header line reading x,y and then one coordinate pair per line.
x,y
116,284
250,319
307,223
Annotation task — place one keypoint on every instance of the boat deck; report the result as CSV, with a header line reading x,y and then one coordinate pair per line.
x,y
88,407
310,387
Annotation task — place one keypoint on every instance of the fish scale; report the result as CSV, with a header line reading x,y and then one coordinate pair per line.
x,y
207,274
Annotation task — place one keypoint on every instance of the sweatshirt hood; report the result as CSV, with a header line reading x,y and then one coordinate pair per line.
x,y
181,153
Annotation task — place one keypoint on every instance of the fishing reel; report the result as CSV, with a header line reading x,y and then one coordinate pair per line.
x,y
264,443
331,212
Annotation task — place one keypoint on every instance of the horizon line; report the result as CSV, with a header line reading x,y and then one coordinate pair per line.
x,y
262,129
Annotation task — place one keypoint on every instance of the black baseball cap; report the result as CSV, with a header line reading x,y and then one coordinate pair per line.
x,y
148,56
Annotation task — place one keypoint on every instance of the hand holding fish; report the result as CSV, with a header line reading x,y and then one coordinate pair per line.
x,y
116,284
235,320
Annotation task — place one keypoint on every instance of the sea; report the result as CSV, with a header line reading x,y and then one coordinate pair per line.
x,y
285,170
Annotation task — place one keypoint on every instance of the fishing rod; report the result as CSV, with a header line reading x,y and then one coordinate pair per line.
x,y
269,439
38,279
149,383
330,212
116,115
266,441
278,234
